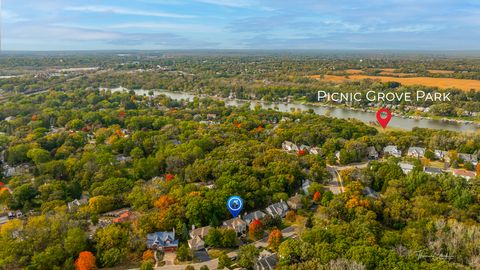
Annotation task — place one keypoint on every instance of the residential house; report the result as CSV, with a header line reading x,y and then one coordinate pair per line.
x,y
277,209
306,185
392,150
3,220
10,171
295,202
406,167
416,152
468,158
305,148
125,217
254,215
163,241
432,170
75,204
197,237
289,146
441,155
464,174
372,153
123,159
369,192
266,262
211,116
316,151
236,224
116,213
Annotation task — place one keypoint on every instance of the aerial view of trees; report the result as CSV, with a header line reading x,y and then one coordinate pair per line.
x,y
72,156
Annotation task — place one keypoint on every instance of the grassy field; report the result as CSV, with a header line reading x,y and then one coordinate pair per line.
x,y
427,81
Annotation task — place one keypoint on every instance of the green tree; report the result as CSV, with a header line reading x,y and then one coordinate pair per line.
x,y
75,241
247,256
38,155
184,253
224,261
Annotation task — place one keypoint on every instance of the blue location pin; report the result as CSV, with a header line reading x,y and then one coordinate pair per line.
x,y
235,205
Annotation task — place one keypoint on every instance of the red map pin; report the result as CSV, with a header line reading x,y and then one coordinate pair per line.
x,y
383,117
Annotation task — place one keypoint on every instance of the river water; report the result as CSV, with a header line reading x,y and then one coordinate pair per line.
x,y
343,113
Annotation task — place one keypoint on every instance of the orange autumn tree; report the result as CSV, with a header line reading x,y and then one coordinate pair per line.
x,y
163,202
85,261
148,255
255,229
478,170
317,196
274,239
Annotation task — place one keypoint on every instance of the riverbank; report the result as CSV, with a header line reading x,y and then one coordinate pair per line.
x,y
366,116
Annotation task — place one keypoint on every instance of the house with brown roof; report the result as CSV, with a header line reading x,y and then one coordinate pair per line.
x,y
236,224
464,174
197,236
125,217
295,202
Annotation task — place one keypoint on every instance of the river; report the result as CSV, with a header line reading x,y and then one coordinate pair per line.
x,y
343,113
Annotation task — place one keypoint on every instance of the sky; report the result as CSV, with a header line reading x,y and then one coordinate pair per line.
x,y
39,25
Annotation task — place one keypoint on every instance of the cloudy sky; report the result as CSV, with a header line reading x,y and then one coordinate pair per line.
x,y
236,24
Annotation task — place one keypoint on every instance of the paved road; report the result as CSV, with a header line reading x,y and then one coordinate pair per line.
x,y
288,232
336,185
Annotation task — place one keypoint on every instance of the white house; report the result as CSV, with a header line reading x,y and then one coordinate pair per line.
x,y
406,167
392,150
416,152
289,146
468,158
236,224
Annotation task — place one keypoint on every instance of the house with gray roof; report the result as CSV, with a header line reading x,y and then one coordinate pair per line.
x,y
392,150
162,241
432,170
267,262
254,215
372,153
277,209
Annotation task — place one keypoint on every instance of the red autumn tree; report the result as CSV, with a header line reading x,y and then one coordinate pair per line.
x,y
274,239
169,177
317,196
85,261
255,229
302,152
